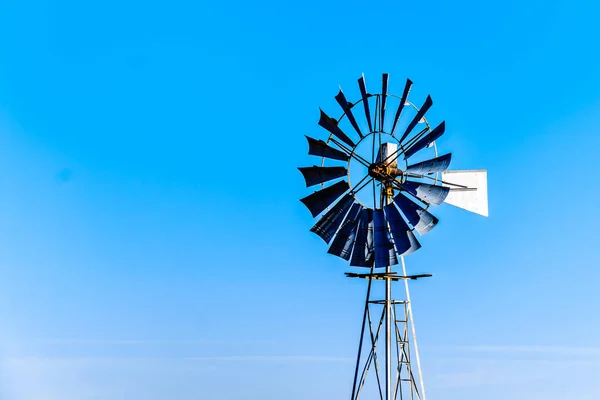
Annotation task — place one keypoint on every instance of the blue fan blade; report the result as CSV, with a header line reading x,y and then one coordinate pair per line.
x,y
365,98
427,193
320,200
344,240
426,140
402,102
424,108
382,242
404,240
315,175
422,220
360,249
331,125
384,88
438,164
332,219
341,99
322,149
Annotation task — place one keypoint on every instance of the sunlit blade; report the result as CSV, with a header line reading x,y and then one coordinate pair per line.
x,y
425,192
473,196
426,140
346,106
320,200
331,125
322,149
421,219
384,88
420,114
315,175
344,240
437,164
402,102
404,240
365,99
332,219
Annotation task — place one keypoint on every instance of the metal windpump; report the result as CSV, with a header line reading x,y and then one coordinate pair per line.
x,y
377,187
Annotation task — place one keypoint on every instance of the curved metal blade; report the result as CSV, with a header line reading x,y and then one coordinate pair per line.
x,y
346,106
331,125
322,149
426,193
344,240
360,248
329,223
382,242
426,140
384,88
365,98
426,106
438,164
315,175
422,220
402,102
404,240
320,200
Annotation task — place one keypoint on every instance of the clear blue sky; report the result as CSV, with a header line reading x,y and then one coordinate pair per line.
x,y
153,245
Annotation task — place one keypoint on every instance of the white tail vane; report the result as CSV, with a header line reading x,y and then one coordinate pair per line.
x,y
468,190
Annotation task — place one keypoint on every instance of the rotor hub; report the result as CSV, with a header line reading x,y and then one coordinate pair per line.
x,y
384,173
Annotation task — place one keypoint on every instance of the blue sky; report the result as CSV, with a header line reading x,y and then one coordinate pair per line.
x,y
153,243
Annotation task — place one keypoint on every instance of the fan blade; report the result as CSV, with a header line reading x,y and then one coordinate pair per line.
x,y
329,223
370,250
382,240
344,240
331,125
360,248
404,240
402,102
437,164
365,98
315,175
426,193
384,87
346,106
322,149
320,200
426,140
426,106
417,216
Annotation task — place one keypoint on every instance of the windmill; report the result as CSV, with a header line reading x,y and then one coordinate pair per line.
x,y
377,185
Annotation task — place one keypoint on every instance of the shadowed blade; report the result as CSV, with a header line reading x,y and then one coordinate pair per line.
x,y
402,102
320,200
365,98
322,149
344,240
426,106
421,219
426,140
360,248
426,193
331,125
384,88
404,240
437,164
346,106
383,245
332,219
315,175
